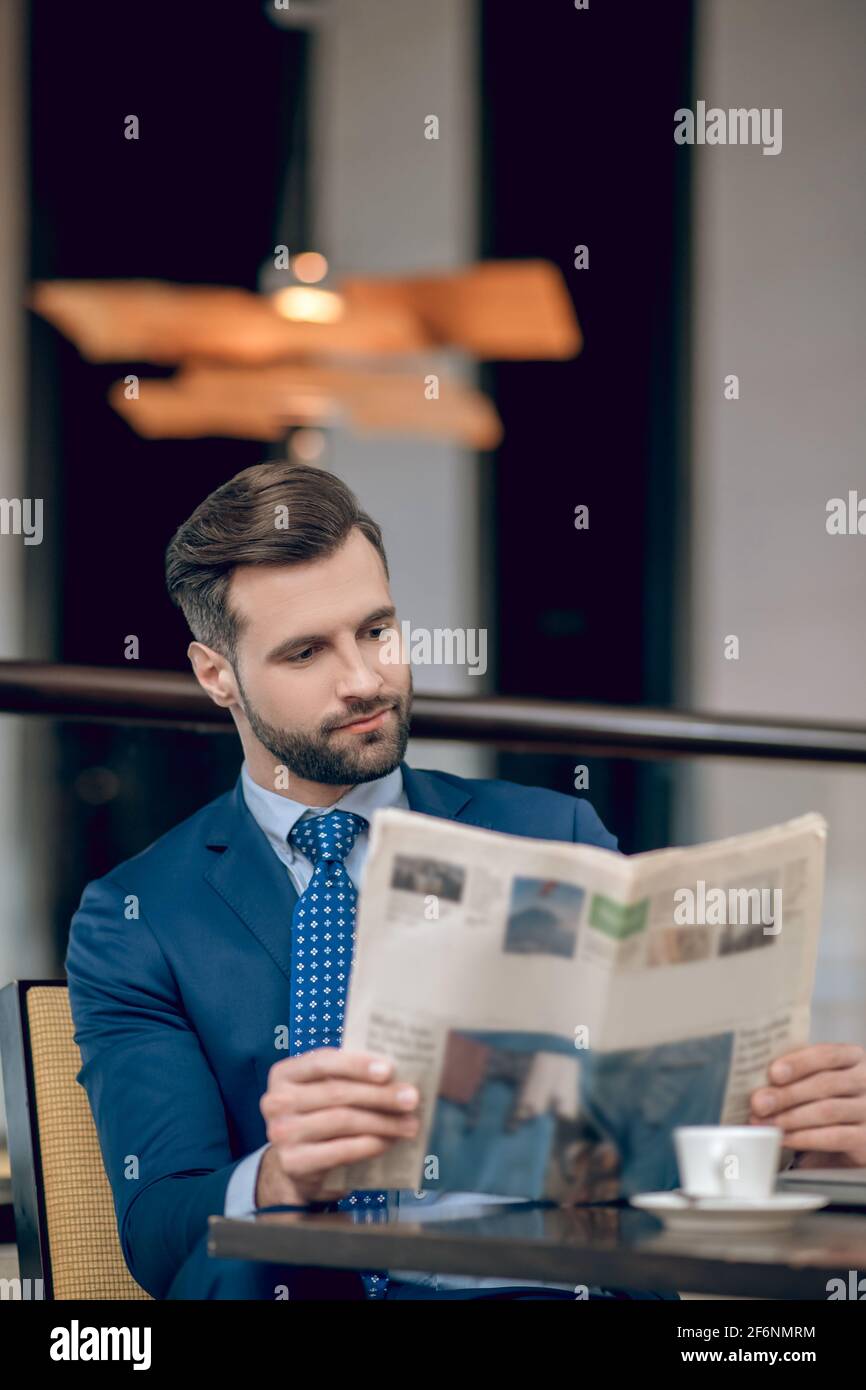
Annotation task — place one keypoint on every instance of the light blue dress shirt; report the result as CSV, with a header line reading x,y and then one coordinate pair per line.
x,y
276,815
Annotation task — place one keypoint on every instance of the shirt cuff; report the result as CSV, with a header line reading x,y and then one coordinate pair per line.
x,y
241,1190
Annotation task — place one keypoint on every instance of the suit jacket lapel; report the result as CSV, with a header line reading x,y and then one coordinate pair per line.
x,y
433,796
251,879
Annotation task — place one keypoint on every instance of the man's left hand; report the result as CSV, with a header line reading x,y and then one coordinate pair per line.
x,y
817,1097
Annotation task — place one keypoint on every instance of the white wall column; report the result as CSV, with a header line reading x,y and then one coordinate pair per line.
x,y
780,300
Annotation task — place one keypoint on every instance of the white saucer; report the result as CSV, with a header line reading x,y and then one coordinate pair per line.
x,y
728,1214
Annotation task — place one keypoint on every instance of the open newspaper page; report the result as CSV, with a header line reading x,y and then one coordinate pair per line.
x,y
562,1008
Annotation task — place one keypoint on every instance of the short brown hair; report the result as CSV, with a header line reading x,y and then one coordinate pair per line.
x,y
236,525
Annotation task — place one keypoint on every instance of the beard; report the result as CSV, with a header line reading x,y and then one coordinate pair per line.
x,y
316,758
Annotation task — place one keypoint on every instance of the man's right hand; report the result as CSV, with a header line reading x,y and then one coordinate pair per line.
x,y
325,1108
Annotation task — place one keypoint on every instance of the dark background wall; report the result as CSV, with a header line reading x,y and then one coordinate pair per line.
x,y
578,150
220,94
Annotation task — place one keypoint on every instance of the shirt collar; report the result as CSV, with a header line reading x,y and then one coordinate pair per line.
x,y
276,814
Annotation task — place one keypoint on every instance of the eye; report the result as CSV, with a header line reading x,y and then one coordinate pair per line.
x,y
298,658
375,630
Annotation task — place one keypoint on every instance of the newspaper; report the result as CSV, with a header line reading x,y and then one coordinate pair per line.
x,y
562,1007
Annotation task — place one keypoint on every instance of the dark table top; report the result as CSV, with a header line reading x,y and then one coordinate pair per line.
x,y
613,1246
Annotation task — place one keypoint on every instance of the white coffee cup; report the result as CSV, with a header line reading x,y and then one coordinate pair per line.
x,y
735,1161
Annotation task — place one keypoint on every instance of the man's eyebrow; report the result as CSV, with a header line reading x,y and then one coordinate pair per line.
x,y
309,639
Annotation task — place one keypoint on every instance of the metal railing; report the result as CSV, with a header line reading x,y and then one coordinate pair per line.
x,y
132,696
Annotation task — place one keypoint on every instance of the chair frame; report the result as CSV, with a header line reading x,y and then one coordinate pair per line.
x,y
25,1156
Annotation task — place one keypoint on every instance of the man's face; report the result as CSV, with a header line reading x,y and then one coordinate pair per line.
x,y
310,659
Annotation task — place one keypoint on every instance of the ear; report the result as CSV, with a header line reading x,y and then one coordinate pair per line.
x,y
214,674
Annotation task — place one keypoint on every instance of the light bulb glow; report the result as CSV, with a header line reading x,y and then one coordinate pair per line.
x,y
310,267
305,304
307,445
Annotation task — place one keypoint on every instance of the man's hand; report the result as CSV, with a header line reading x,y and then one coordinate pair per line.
x,y
325,1108
817,1097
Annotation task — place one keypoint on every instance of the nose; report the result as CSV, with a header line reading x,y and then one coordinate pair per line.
x,y
357,680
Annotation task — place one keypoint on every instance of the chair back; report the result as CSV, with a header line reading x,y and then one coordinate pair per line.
x,y
65,1223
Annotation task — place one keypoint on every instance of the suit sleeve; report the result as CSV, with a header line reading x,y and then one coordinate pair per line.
x,y
589,828
155,1101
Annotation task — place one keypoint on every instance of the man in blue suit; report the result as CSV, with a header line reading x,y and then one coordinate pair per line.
x,y
184,963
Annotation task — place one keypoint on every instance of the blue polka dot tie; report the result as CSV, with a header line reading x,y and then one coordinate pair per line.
x,y
323,938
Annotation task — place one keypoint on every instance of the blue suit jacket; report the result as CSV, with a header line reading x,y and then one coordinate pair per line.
x,y
179,967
